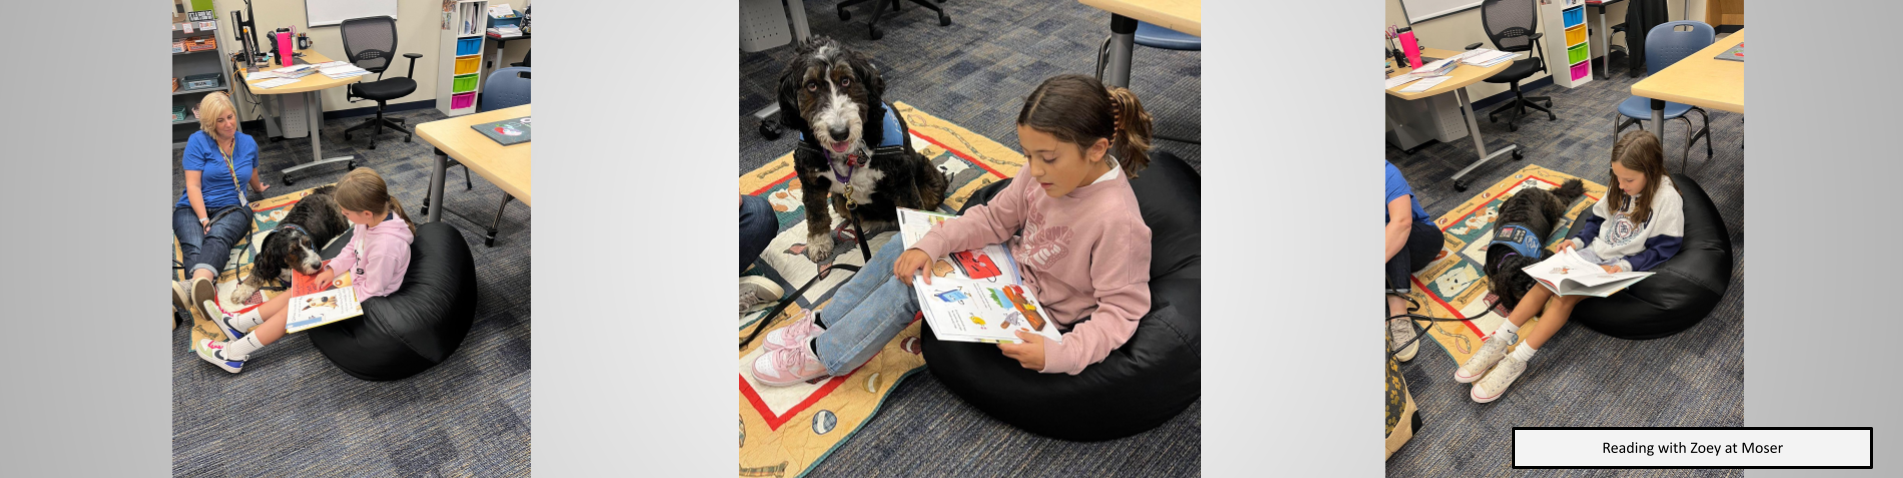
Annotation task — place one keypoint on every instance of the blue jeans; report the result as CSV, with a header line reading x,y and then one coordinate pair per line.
x,y
758,224
866,313
208,251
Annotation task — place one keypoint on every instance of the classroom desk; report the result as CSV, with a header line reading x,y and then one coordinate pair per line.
x,y
1700,79
1605,37
1462,76
312,85
505,166
1181,15
501,44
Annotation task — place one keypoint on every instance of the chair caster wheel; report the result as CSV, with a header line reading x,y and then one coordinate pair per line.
x,y
877,33
1510,127
943,20
489,242
350,166
288,181
407,139
1460,186
1516,153
770,129
844,15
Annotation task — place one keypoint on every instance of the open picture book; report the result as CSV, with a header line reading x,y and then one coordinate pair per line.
x,y
1567,273
975,295
316,304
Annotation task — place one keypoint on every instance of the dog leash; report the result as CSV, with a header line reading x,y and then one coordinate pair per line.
x,y
760,326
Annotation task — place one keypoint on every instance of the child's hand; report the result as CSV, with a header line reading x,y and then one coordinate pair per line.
x,y
1610,268
911,262
1565,245
1029,354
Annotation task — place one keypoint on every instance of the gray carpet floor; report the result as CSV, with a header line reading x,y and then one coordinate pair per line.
x,y
1582,378
292,413
976,73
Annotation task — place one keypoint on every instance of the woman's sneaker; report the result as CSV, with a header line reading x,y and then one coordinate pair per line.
x,y
1401,331
756,290
788,366
795,334
214,352
223,320
1490,353
1495,384
204,290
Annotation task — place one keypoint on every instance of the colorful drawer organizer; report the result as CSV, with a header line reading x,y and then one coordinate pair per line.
x,y
468,64
1578,51
462,100
465,84
468,46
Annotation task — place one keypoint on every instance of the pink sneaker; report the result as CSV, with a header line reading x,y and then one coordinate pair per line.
x,y
794,334
788,366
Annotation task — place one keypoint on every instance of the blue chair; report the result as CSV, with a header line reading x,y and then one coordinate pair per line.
x,y
1663,47
505,88
1154,36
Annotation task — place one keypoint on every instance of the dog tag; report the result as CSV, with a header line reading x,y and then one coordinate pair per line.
x,y
849,203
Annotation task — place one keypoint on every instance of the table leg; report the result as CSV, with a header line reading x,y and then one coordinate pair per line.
x,y
435,201
797,10
1123,34
1480,146
1658,118
1605,45
315,113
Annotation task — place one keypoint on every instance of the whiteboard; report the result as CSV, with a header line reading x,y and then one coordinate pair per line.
x,y
325,13
1421,10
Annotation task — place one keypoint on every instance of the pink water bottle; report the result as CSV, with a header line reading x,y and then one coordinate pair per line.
x,y
284,48
1413,49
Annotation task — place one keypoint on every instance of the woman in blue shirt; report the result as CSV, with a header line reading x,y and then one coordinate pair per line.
x,y
1412,242
220,166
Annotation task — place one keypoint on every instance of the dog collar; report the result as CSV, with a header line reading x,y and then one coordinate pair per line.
x,y
286,225
1517,237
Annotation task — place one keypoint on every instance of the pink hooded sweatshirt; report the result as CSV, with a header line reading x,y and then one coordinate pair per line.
x,y
376,258
1086,254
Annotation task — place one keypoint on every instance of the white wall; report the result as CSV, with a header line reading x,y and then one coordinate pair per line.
x,y
1456,31
418,28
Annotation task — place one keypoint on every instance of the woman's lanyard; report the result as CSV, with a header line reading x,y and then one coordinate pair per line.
x,y
229,166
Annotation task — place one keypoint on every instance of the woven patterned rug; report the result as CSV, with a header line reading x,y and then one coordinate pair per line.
x,y
786,430
1455,285
265,216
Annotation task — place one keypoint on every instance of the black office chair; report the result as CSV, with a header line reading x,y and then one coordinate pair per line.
x,y
525,59
878,10
370,43
1510,24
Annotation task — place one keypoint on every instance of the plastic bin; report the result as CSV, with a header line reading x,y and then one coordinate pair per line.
x,y
1574,16
468,46
464,84
468,64
461,101
1575,35
1582,70
1578,53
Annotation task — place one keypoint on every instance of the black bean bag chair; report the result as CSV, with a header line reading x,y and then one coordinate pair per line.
x,y
1153,377
1684,289
419,325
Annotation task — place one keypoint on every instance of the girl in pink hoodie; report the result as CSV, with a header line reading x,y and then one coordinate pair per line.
x,y
1069,218
377,257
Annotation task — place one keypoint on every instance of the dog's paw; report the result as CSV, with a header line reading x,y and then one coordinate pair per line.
x,y
242,293
819,248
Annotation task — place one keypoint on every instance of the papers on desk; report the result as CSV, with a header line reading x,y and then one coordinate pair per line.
x,y
1484,57
294,71
1437,68
345,70
276,83
259,75
332,63
505,31
1424,84
1398,81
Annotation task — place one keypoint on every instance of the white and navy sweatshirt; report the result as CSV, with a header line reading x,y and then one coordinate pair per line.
x,y
1613,239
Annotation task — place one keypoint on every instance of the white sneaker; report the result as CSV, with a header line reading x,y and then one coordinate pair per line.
x,y
1490,353
214,352
788,366
203,290
1495,384
756,290
1401,331
794,334
223,320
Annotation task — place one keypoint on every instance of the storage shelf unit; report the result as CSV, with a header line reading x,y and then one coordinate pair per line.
x,y
192,63
1568,53
459,70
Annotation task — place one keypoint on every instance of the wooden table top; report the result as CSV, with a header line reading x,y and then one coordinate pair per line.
x,y
1701,79
1181,15
506,166
309,83
1462,75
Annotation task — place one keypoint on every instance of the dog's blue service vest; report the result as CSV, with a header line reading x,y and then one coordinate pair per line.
x,y
1520,239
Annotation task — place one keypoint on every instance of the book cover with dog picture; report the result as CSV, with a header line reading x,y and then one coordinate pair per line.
x,y
1568,273
316,304
506,132
975,295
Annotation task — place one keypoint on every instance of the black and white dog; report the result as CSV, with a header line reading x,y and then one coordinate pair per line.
x,y
853,146
295,242
1525,223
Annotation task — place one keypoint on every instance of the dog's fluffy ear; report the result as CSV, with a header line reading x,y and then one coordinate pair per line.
x,y
789,90
874,84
